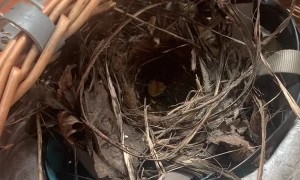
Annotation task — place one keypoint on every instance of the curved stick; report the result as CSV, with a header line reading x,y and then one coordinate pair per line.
x,y
44,58
8,96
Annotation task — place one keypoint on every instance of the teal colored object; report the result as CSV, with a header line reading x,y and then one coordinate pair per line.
x,y
56,161
59,162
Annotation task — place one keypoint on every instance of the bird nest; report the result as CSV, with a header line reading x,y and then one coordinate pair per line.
x,y
177,75
161,86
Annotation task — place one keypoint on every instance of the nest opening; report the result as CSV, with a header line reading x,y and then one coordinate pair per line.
x,y
166,80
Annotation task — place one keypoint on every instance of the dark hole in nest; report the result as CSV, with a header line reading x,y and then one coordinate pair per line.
x,y
166,79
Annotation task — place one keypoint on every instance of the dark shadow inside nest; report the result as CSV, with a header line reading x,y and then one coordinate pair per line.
x,y
166,79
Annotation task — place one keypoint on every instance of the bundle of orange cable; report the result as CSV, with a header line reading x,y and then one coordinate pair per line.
x,y
19,74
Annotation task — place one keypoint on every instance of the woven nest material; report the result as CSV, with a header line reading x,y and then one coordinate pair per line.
x,y
158,86
176,75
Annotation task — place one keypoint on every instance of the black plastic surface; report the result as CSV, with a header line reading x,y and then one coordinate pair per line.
x,y
272,15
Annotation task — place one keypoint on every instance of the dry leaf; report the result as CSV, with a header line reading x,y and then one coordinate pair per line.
x,y
234,142
66,79
66,90
70,126
255,122
152,22
7,147
215,124
187,8
210,39
193,59
103,169
157,41
231,139
130,99
156,88
99,112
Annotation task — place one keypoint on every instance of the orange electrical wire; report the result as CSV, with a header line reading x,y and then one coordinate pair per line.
x,y
83,17
29,60
34,51
59,9
10,46
10,61
77,9
44,58
8,96
103,8
10,76
50,5
15,82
